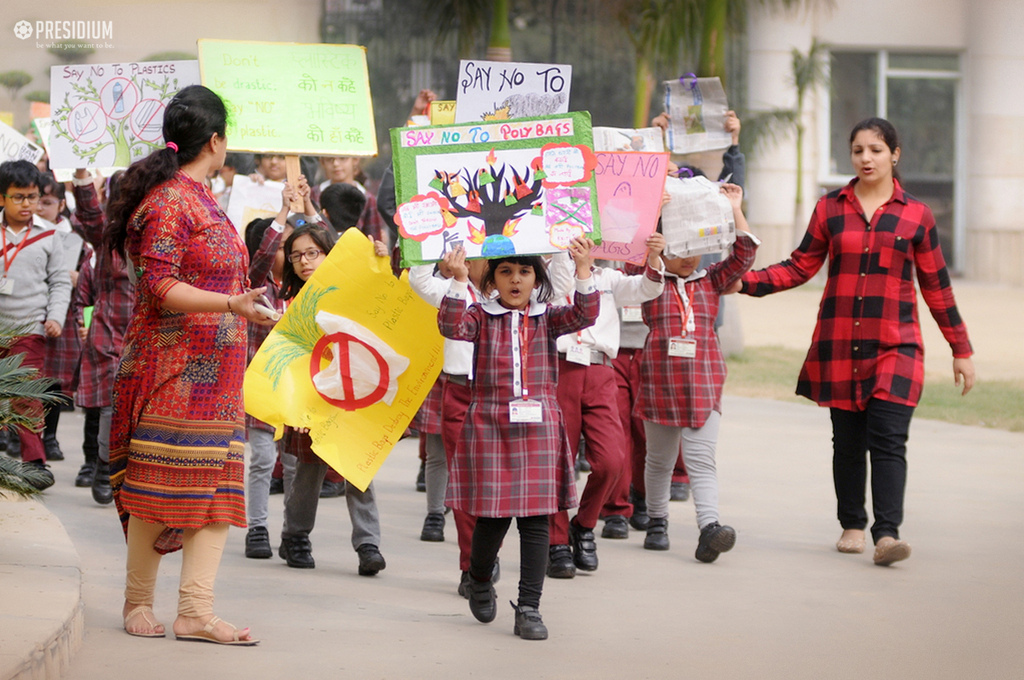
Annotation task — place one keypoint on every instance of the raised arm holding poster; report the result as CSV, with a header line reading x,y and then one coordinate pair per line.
x,y
496,90
292,98
696,108
525,186
629,188
352,360
111,115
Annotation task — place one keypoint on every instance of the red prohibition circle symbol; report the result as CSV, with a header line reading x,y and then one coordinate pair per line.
x,y
344,341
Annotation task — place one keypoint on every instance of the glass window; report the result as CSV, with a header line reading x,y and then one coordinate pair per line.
x,y
854,78
925,62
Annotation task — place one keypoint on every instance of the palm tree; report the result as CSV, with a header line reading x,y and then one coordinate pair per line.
x,y
17,384
467,19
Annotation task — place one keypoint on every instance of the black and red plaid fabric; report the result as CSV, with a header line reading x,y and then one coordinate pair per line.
x,y
260,275
111,294
683,391
428,418
501,468
867,341
64,353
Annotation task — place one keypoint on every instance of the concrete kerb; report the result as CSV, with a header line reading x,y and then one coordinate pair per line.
x,y
42,616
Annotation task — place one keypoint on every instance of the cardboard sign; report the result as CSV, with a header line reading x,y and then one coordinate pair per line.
x,y
352,360
292,98
15,147
251,201
628,139
495,90
698,219
524,186
629,188
111,115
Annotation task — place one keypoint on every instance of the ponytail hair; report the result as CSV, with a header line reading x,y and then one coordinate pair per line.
x,y
885,130
192,117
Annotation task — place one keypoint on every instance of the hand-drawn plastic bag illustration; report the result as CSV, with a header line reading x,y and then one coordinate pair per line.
x,y
363,369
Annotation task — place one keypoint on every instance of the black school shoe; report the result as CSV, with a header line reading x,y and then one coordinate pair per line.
x,y
584,547
257,544
560,564
615,526
101,491
85,474
483,601
42,478
276,486
640,518
714,540
529,624
433,528
657,534
464,580
370,560
297,551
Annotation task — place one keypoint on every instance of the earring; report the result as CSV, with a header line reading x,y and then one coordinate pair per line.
x,y
895,161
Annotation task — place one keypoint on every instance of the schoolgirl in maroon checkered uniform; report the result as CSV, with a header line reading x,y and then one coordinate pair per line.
x,y
866,361
682,373
513,459
587,396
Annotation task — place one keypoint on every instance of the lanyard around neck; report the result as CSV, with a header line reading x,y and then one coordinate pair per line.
x,y
685,310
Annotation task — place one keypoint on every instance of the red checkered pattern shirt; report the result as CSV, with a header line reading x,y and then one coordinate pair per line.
x,y
501,468
111,294
259,275
867,341
682,391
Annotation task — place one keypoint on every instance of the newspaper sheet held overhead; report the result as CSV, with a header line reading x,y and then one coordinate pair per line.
x,y
698,218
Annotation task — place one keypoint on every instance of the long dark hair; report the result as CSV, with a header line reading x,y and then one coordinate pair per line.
x,y
885,130
192,117
540,271
291,284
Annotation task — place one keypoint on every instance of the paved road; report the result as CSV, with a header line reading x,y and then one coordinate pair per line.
x,y
783,604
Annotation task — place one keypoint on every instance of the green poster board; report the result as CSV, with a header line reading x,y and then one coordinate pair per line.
x,y
524,186
292,98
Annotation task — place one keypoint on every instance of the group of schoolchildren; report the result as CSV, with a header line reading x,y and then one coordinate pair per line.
x,y
540,355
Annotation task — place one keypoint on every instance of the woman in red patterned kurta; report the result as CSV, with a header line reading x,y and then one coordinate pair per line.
x,y
866,361
177,433
513,459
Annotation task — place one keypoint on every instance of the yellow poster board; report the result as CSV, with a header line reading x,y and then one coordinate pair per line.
x,y
292,98
351,360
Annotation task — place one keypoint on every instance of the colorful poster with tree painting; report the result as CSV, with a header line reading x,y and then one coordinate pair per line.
x,y
111,115
629,189
292,98
351,360
496,90
525,186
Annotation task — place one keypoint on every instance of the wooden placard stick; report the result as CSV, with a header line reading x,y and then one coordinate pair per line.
x,y
294,169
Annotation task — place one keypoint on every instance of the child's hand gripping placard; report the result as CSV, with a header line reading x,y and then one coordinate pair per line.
x,y
352,360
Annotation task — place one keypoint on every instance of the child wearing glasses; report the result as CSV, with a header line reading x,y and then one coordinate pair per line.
x,y
35,289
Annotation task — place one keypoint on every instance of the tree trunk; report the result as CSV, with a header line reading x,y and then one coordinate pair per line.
x,y
500,46
712,44
642,95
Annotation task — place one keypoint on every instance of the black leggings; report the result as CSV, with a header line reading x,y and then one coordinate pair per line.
x,y
533,553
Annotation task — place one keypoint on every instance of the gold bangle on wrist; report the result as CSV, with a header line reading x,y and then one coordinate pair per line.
x,y
229,305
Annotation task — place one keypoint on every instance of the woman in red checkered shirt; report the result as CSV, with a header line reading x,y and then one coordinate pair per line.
x,y
513,458
866,361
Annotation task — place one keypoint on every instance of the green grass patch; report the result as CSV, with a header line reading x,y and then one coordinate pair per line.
x,y
771,373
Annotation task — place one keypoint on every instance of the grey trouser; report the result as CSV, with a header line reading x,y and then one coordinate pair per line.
x,y
436,473
699,457
302,497
263,455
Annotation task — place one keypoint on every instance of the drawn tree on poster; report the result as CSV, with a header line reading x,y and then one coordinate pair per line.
x,y
93,121
493,197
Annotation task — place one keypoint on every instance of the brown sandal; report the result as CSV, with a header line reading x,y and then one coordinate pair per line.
x,y
206,635
889,550
143,610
